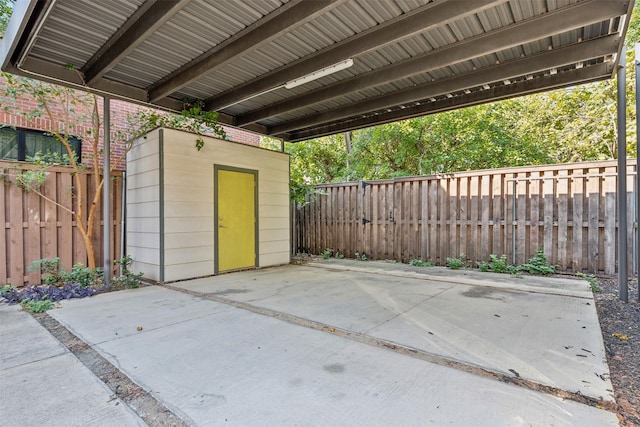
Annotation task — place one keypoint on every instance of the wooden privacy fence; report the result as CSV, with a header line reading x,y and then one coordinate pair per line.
x,y
568,211
36,228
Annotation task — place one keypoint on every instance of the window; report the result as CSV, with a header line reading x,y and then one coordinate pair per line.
x,y
23,144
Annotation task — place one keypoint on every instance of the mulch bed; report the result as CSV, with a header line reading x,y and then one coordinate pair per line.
x,y
620,324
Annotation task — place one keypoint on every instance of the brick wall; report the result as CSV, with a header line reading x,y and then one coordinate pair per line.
x,y
16,114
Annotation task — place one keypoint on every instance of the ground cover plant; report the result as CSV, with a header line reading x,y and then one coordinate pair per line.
x,y
59,284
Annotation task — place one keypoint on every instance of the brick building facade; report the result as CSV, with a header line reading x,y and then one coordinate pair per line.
x,y
15,114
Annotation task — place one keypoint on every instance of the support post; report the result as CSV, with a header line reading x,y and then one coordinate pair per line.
x,y
106,193
623,285
637,186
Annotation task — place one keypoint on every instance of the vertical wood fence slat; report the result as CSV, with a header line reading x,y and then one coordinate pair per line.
x,y
3,221
609,190
521,200
485,203
548,229
425,249
432,219
32,235
593,196
454,245
562,200
443,231
463,215
568,211
16,241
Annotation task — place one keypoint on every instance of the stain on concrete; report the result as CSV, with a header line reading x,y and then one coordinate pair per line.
x,y
484,292
335,368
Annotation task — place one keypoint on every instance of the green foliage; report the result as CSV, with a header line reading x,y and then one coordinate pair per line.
x,y
37,306
361,256
420,263
338,255
50,268
483,266
500,265
456,263
592,280
193,118
127,279
85,276
538,265
6,8
326,254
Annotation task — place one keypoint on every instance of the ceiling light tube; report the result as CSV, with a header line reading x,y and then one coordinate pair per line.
x,y
320,73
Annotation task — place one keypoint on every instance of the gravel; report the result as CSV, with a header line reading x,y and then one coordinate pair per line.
x,y
620,324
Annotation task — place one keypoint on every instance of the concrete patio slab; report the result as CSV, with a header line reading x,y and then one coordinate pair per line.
x,y
42,384
226,365
552,338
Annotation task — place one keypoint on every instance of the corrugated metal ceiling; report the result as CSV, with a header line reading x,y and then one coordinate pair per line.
x,y
237,55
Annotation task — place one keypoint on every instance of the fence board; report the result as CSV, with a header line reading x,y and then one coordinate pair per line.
x,y
534,214
548,229
454,239
32,235
497,215
485,199
562,200
578,207
16,237
3,243
520,206
433,217
554,208
609,190
593,191
442,228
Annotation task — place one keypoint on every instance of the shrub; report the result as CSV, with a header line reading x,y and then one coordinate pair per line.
x,y
420,263
538,265
456,263
128,279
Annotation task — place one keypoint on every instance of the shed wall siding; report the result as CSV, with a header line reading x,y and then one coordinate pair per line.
x,y
143,205
189,202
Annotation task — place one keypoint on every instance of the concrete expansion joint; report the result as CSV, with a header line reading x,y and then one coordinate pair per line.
x,y
139,400
514,378
454,280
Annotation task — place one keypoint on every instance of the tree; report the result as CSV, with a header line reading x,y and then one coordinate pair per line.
x,y
65,110
6,7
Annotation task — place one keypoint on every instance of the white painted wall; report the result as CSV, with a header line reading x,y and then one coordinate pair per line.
x,y
143,206
188,203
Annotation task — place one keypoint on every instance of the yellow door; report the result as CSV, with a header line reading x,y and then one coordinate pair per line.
x,y
236,221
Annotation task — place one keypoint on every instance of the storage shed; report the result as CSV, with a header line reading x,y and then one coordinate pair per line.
x,y
197,213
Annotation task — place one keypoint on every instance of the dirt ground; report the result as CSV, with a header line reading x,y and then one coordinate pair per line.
x,y
620,324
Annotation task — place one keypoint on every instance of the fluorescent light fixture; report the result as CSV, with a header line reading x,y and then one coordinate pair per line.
x,y
320,73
